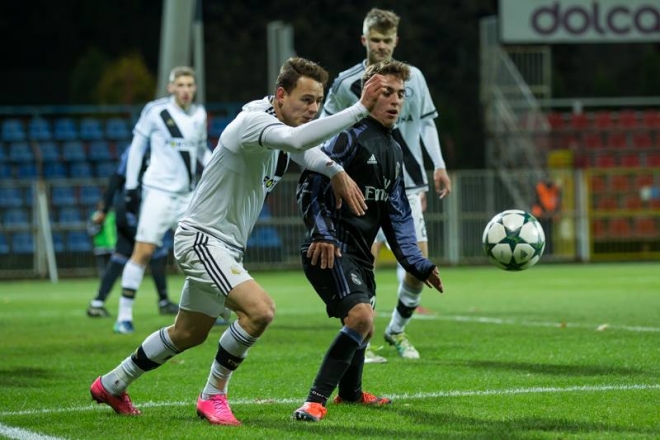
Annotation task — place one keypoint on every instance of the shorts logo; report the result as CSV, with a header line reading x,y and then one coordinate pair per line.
x,y
356,279
236,270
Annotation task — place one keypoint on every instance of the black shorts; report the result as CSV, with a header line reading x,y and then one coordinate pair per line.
x,y
344,286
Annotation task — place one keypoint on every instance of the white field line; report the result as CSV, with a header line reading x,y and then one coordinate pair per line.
x,y
398,397
23,434
500,321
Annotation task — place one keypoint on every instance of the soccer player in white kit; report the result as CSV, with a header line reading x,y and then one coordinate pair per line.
x,y
175,128
415,130
209,244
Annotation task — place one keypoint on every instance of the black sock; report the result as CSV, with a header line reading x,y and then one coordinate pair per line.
x,y
158,269
350,385
335,363
112,271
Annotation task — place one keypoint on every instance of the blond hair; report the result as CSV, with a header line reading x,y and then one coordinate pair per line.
x,y
381,20
181,71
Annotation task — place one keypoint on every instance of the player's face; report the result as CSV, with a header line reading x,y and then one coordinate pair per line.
x,y
300,105
183,89
380,46
389,105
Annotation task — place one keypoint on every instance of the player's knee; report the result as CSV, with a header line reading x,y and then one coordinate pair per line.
x,y
263,314
361,319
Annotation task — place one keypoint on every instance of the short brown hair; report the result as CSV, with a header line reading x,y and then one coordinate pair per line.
x,y
381,20
296,67
395,68
181,71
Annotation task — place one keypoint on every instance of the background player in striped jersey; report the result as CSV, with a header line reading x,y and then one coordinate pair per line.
x,y
414,129
209,244
370,154
175,130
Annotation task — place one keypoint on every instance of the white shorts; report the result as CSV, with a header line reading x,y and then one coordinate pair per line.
x,y
160,211
418,217
212,270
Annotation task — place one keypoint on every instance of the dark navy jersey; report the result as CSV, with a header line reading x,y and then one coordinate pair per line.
x,y
374,160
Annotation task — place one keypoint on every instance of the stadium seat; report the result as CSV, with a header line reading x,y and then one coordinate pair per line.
x,y
58,241
15,217
597,184
20,152
616,140
6,171
619,183
633,202
642,180
605,161
607,203
39,129
593,141
653,160
3,153
117,129
105,169
100,150
90,195
22,243
81,170
28,196
78,241
49,151
645,227
217,125
11,198
90,129
54,170
651,119
555,119
642,140
65,130
69,215
579,121
628,119
630,160
12,130
73,151
619,228
603,120
599,228
63,196
4,244
26,171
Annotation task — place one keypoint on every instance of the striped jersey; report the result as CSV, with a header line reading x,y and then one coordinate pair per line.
x,y
177,139
418,105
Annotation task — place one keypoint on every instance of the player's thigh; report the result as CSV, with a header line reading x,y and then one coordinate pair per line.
x,y
417,214
158,213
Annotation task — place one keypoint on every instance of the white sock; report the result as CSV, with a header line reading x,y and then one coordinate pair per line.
x,y
125,309
131,278
410,297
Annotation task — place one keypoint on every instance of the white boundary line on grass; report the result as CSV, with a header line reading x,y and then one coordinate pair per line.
x,y
23,434
500,321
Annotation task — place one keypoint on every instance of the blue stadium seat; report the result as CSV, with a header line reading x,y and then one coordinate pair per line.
x,y
116,129
217,125
78,241
11,198
26,171
28,196
55,170
90,129
4,244
15,217
20,152
22,243
65,130
90,195
3,153
73,151
69,215
63,196
50,151
12,130
58,242
6,171
81,170
106,169
39,129
100,150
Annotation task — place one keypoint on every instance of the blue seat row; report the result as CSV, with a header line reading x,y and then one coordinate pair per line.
x,y
87,195
58,170
24,243
64,129
50,151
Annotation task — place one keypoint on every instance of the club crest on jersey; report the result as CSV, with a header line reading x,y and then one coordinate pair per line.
x,y
170,122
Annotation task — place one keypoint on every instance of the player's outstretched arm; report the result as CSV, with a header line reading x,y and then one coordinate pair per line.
x,y
434,280
345,189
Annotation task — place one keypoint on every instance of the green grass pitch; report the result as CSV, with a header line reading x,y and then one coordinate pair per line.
x,y
555,352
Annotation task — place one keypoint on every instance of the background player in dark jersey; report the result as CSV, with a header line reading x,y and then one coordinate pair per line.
x,y
126,224
336,254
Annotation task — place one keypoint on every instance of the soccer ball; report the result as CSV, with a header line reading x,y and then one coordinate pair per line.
x,y
514,240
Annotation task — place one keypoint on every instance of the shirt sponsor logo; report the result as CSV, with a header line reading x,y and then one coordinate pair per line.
x,y
377,194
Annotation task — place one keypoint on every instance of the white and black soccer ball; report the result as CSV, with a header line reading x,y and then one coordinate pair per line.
x,y
514,240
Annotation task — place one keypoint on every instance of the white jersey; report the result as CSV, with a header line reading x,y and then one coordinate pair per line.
x,y
177,139
418,106
247,164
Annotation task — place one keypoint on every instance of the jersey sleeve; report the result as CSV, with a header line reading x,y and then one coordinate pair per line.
x,y
314,209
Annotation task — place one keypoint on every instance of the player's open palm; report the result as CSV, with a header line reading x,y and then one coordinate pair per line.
x,y
345,189
323,253
372,90
434,280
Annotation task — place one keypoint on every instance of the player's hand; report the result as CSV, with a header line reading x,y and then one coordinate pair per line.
x,y
347,190
132,199
326,252
434,280
442,182
372,90
98,217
